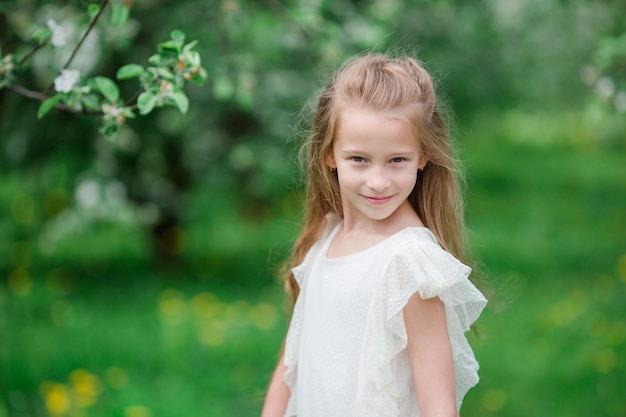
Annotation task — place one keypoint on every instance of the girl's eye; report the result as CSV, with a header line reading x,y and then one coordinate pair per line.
x,y
357,159
397,160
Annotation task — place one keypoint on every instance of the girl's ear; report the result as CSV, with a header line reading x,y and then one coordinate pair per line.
x,y
330,161
422,162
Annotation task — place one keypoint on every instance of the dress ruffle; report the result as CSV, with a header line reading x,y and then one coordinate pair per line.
x,y
425,268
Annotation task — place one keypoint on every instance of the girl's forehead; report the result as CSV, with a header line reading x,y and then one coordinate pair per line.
x,y
411,113
362,129
362,114
366,120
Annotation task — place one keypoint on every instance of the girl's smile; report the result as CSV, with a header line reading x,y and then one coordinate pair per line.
x,y
378,201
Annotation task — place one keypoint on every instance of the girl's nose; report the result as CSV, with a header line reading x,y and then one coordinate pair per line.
x,y
377,181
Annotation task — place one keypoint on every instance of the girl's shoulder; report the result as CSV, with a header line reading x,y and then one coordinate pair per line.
x,y
412,242
417,235
418,247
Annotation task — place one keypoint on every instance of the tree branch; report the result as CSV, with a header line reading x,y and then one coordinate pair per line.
x,y
31,53
89,28
41,97
26,92
93,22
133,98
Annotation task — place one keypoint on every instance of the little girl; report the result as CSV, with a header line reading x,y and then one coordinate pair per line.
x,y
381,299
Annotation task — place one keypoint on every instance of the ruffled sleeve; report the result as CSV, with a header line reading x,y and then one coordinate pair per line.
x,y
292,343
425,268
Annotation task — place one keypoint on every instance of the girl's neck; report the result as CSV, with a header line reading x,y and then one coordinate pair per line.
x,y
358,233
405,216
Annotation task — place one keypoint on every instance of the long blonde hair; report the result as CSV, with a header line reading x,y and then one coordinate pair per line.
x,y
391,85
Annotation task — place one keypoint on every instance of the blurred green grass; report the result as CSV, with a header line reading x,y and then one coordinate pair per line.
x,y
163,347
549,221
90,325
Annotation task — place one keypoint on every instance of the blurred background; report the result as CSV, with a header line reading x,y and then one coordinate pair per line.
x,y
138,275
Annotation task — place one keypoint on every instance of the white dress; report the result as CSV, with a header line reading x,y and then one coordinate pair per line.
x,y
346,346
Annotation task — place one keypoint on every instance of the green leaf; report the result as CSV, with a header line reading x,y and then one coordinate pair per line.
x,y
129,71
178,36
168,75
169,46
149,79
189,46
41,34
93,9
108,89
146,102
155,59
119,14
128,113
181,100
91,102
48,105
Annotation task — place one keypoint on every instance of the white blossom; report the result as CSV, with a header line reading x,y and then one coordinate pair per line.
x,y
59,34
112,111
605,87
66,81
88,194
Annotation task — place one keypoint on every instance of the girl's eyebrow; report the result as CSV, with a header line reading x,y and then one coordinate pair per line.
x,y
402,152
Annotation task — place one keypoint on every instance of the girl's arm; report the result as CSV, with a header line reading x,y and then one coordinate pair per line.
x,y
277,393
430,355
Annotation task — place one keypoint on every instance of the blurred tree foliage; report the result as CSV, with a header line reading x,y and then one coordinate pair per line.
x,y
264,59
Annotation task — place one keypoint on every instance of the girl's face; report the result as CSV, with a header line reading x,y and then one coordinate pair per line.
x,y
377,159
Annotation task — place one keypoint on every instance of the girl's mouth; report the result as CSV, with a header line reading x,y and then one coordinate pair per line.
x,y
377,201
